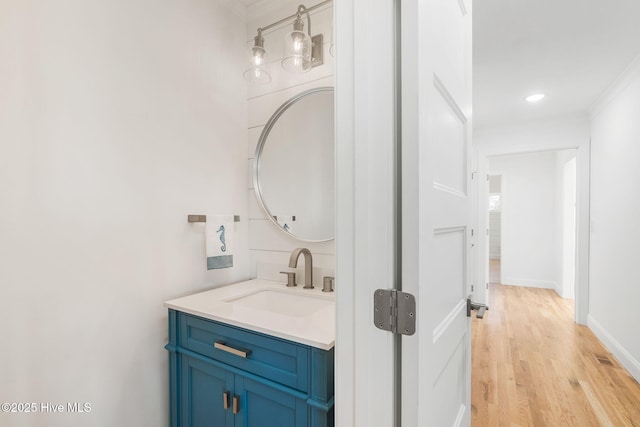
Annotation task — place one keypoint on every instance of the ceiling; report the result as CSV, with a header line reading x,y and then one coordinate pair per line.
x,y
571,50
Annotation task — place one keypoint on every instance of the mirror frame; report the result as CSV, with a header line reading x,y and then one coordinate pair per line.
x,y
259,148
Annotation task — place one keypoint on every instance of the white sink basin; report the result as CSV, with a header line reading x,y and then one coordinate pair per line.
x,y
306,316
275,301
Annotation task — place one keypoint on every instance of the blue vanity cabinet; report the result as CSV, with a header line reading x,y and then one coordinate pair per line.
x,y
204,387
262,405
278,384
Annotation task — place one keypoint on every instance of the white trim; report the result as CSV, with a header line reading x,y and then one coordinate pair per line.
x,y
616,87
481,220
624,357
364,211
345,352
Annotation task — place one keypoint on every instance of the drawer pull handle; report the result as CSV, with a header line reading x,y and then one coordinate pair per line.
x,y
225,400
236,404
222,346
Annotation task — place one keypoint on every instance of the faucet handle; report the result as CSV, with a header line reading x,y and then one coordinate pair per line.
x,y
291,278
327,283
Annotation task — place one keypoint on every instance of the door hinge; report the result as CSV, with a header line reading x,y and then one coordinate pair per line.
x,y
394,311
471,288
472,232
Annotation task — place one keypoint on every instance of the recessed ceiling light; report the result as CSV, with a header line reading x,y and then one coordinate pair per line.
x,y
535,98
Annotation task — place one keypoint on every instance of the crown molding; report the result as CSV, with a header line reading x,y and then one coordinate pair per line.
x,y
621,82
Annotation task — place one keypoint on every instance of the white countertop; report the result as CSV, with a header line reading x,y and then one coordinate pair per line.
x,y
315,328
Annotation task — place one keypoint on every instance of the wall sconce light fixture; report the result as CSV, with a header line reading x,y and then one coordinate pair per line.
x,y
301,51
256,71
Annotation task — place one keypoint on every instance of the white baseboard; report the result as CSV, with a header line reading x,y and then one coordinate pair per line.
x,y
567,294
624,357
530,283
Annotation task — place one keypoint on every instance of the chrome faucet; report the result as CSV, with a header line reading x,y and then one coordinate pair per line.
x,y
308,265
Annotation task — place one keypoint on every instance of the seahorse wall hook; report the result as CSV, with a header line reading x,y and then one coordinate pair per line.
x,y
220,230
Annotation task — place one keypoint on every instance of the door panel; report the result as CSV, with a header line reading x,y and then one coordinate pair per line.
x,y
450,387
449,271
451,33
450,137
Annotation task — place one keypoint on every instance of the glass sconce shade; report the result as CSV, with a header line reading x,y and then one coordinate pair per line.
x,y
256,71
297,49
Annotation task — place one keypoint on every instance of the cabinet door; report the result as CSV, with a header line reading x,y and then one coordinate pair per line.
x,y
202,395
264,406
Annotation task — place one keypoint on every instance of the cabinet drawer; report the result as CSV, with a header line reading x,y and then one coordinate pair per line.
x,y
278,360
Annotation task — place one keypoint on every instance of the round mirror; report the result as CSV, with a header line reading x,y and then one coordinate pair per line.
x,y
294,166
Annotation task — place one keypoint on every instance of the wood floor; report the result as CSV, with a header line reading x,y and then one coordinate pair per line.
x,y
534,366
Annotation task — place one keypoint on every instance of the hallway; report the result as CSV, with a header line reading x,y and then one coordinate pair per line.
x,y
532,365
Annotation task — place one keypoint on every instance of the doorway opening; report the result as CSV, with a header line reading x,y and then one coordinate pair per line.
x,y
529,336
495,227
532,220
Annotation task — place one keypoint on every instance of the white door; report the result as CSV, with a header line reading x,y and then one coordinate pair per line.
x,y
365,209
428,382
436,210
